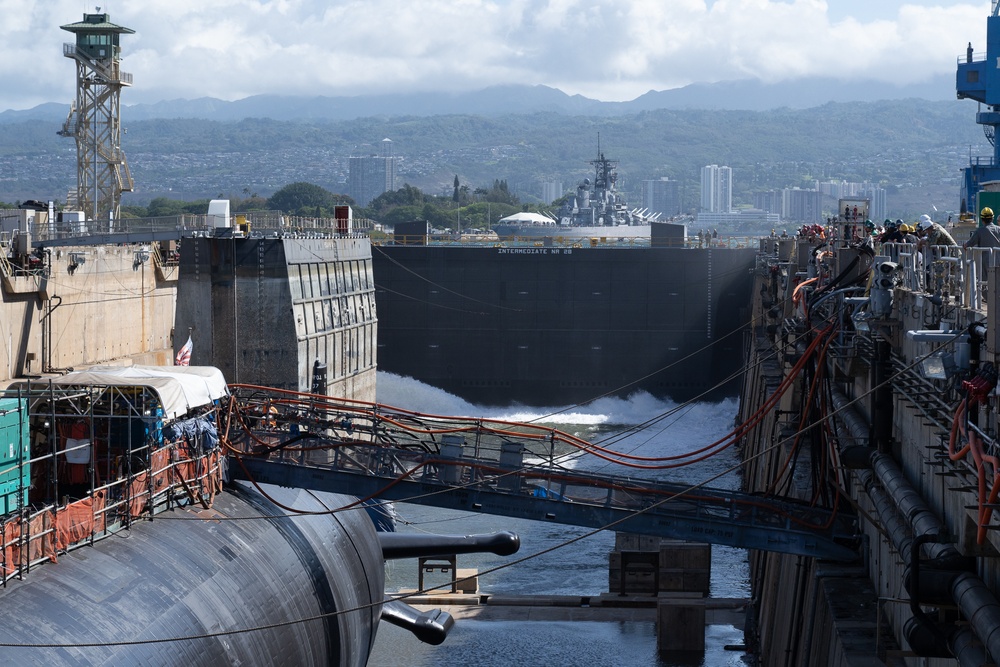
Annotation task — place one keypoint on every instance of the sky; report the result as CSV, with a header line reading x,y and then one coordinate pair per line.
x,y
611,50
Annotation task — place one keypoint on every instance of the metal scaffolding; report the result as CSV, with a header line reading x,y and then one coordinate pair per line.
x,y
95,119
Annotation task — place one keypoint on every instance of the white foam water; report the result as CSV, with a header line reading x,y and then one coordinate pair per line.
x,y
642,425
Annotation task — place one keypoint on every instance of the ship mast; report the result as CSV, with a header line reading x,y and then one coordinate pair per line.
x,y
95,117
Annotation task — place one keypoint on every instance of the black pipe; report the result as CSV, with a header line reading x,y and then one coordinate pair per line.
x,y
981,609
882,396
412,545
927,639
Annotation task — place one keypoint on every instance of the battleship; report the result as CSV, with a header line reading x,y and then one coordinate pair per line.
x,y
597,209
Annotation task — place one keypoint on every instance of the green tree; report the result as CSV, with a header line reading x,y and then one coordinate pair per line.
x,y
296,197
161,206
454,197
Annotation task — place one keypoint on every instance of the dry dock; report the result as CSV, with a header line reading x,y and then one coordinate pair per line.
x,y
870,389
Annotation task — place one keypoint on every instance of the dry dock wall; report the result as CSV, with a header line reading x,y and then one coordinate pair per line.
x,y
810,612
85,305
263,310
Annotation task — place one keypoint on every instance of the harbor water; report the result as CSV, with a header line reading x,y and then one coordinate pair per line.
x,y
564,566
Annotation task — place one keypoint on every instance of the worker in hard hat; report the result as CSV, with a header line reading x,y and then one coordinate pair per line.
x,y
909,233
987,234
893,232
931,233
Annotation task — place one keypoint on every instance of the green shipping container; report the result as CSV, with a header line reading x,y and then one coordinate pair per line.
x,y
15,476
991,199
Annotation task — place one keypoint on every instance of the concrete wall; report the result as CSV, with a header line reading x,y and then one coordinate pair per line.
x,y
815,613
264,310
93,305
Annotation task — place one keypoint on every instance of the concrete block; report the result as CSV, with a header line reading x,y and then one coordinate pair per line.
x,y
467,580
685,555
680,625
636,542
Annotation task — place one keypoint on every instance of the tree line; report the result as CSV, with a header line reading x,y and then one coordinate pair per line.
x,y
466,209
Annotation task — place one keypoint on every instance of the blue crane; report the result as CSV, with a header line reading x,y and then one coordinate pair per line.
x,y
978,78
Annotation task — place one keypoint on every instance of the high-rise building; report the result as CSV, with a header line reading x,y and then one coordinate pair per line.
x,y
370,176
803,206
769,201
878,211
661,196
716,189
551,191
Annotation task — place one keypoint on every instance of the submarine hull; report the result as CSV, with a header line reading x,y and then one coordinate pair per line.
x,y
209,575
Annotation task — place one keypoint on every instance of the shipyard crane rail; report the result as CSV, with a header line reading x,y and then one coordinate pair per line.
x,y
496,467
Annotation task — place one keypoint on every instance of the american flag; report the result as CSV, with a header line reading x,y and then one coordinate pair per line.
x,y
184,354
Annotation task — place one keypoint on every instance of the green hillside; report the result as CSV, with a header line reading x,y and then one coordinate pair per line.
x,y
914,148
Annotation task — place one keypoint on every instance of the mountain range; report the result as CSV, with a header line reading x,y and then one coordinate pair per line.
x,y
773,137
746,95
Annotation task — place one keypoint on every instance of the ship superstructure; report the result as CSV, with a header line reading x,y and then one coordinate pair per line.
x,y
597,209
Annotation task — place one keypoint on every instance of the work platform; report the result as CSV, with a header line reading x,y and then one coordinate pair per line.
x,y
476,465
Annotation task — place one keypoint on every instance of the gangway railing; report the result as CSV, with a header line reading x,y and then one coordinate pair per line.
x,y
494,467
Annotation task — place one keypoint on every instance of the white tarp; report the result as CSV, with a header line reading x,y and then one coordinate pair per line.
x,y
526,218
180,388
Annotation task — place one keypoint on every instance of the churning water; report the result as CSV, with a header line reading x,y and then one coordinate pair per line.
x,y
580,568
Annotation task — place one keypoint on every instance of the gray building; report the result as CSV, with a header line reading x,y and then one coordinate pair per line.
x,y
769,201
661,196
803,206
370,176
716,189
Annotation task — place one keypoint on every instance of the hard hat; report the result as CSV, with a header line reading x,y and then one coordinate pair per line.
x,y
987,212
926,224
925,218
899,221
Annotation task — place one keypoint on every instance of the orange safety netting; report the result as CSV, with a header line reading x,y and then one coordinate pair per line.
x,y
50,532
79,520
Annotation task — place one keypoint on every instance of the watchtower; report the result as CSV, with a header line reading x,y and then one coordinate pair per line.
x,y
94,119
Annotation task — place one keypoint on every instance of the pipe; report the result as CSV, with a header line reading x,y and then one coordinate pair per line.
x,y
857,425
935,335
915,510
897,531
927,639
980,607
911,526
967,649
882,403
976,601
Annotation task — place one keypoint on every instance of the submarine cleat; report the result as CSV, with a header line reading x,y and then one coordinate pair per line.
x,y
432,627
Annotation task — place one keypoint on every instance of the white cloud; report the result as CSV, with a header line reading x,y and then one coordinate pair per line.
x,y
608,49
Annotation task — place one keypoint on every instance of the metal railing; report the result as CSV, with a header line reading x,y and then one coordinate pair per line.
x,y
529,470
956,273
87,461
